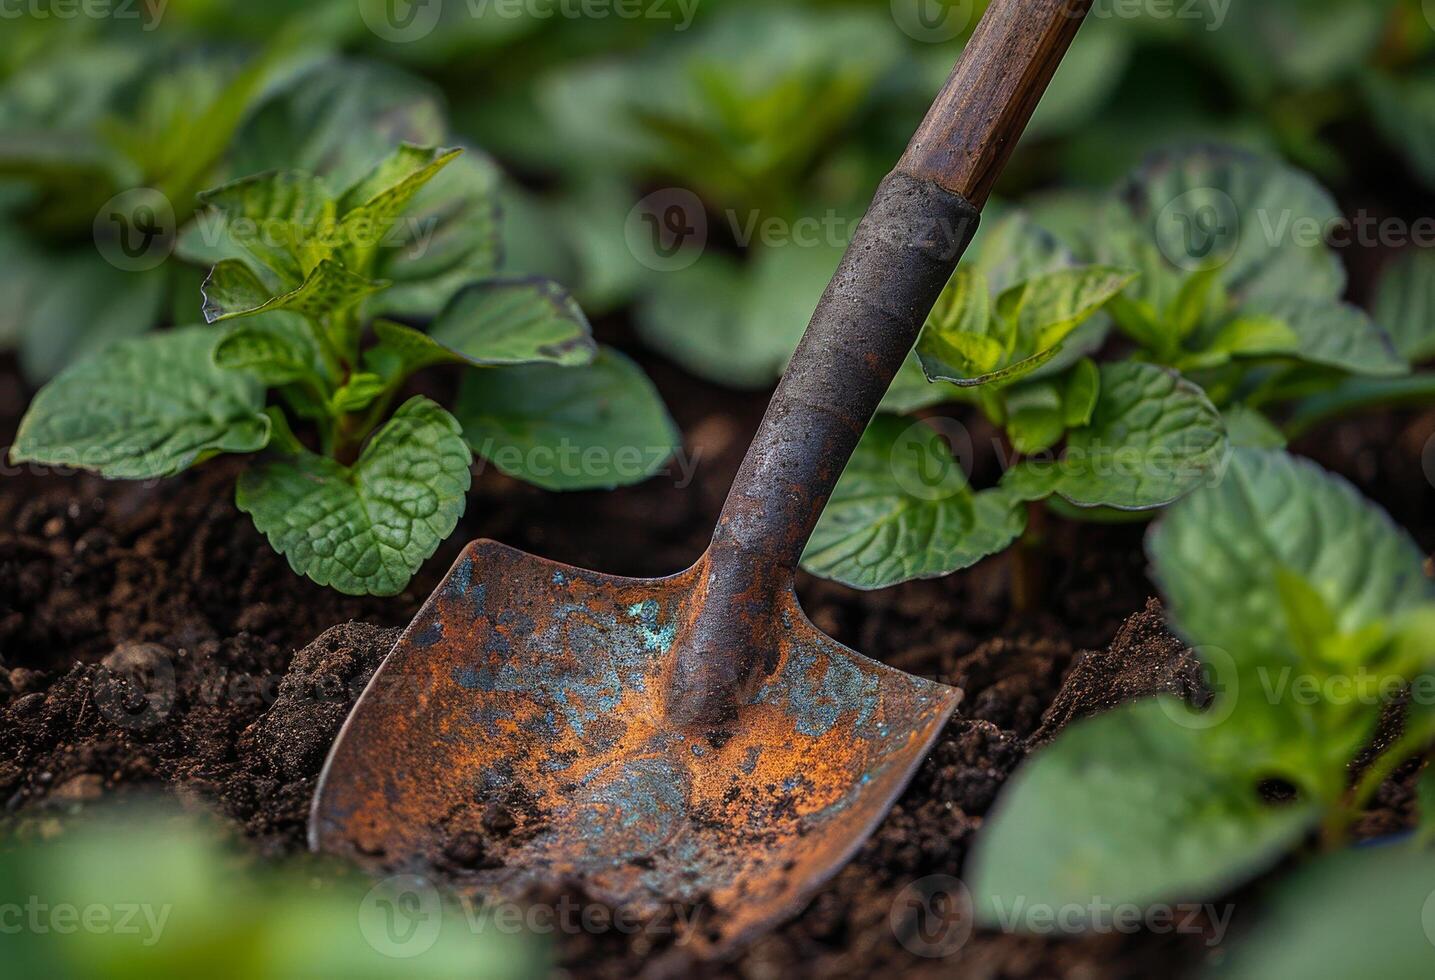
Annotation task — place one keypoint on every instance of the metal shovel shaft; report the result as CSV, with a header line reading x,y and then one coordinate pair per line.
x,y
921,221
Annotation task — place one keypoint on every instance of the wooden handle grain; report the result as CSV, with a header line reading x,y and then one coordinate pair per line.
x,y
975,122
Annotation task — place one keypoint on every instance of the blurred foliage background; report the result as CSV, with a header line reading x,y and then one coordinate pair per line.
x,y
768,111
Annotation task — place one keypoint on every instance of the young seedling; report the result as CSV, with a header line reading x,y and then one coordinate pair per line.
x,y
1011,334
1214,265
297,305
1312,615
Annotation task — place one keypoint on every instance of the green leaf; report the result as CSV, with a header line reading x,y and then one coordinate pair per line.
x,y
911,391
964,343
1153,437
1326,333
1035,417
337,120
1308,920
448,239
81,304
516,322
330,288
274,348
1425,796
1082,394
903,510
1245,215
365,529
1405,304
1247,428
284,219
1219,554
568,428
1143,804
144,408
370,208
358,393
734,324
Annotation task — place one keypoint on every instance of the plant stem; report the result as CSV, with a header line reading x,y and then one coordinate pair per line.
x,y
1412,743
1028,563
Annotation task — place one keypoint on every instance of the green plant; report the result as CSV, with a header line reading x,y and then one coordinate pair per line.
x,y
1231,331
147,891
1312,615
541,399
1010,335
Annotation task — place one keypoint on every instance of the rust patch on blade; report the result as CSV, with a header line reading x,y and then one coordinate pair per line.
x,y
521,724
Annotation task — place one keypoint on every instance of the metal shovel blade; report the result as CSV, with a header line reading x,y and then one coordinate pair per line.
x,y
517,735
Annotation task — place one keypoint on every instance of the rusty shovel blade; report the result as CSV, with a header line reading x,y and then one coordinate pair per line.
x,y
518,736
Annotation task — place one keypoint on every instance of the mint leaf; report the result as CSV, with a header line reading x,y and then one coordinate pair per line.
x,y
1329,334
515,322
337,119
330,288
737,325
284,219
969,344
1193,211
578,428
903,510
1247,428
358,393
144,408
1142,804
910,390
1405,304
82,304
370,208
1218,554
1308,919
365,529
274,348
449,237
1036,417
1153,437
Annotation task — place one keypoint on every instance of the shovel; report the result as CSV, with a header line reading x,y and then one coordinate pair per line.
x,y
693,740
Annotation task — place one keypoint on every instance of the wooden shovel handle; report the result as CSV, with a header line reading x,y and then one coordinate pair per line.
x,y
974,124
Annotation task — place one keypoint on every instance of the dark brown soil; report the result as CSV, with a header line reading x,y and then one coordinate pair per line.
x,y
148,638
